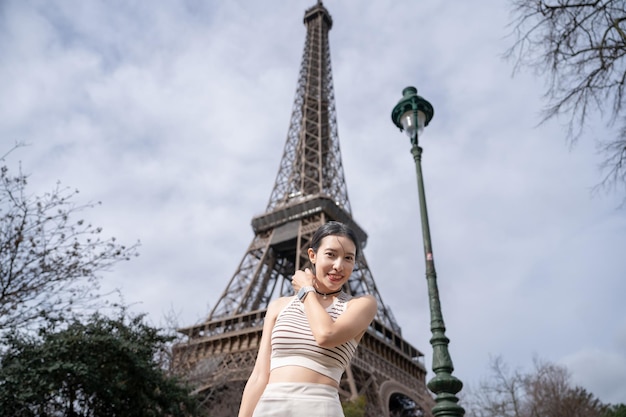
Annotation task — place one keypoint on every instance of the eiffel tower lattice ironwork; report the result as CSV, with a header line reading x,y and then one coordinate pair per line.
x,y
218,354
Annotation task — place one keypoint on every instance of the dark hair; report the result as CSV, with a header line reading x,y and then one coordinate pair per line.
x,y
333,228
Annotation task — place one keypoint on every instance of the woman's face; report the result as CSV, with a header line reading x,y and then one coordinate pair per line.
x,y
333,261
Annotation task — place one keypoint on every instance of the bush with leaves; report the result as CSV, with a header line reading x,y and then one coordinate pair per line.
x,y
99,367
355,407
617,410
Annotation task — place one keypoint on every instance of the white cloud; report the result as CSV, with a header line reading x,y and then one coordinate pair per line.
x,y
599,371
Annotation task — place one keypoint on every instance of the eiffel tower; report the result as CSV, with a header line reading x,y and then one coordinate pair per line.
x,y
218,354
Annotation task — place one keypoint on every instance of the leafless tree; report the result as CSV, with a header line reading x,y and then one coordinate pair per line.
x,y
546,391
580,45
49,258
550,393
502,395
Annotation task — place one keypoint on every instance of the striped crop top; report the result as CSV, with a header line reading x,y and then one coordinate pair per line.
x,y
293,342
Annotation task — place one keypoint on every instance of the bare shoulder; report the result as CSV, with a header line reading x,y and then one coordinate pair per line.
x,y
277,305
364,298
365,302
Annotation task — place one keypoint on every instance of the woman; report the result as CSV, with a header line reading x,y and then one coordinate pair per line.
x,y
309,339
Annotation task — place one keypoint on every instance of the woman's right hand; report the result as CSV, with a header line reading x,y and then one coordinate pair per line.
x,y
302,279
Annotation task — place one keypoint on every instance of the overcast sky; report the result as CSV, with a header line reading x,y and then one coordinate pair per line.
x,y
174,114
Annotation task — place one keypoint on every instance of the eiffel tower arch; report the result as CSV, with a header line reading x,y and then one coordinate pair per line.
x,y
218,354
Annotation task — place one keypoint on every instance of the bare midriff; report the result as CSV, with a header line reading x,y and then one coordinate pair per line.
x,y
299,374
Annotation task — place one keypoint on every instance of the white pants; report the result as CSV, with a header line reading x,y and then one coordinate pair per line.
x,y
298,399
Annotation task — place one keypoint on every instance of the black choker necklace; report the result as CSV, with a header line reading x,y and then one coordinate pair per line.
x,y
328,293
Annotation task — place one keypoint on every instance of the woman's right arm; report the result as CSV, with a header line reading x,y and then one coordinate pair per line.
x,y
261,372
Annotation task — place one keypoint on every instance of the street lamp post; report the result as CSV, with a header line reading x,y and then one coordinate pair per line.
x,y
412,114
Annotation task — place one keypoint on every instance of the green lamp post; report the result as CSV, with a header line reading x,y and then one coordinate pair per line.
x,y
412,114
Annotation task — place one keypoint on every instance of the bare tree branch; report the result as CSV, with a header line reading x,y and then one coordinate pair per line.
x,y
579,46
544,391
49,257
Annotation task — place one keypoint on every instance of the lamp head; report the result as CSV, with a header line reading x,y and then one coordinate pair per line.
x,y
412,113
